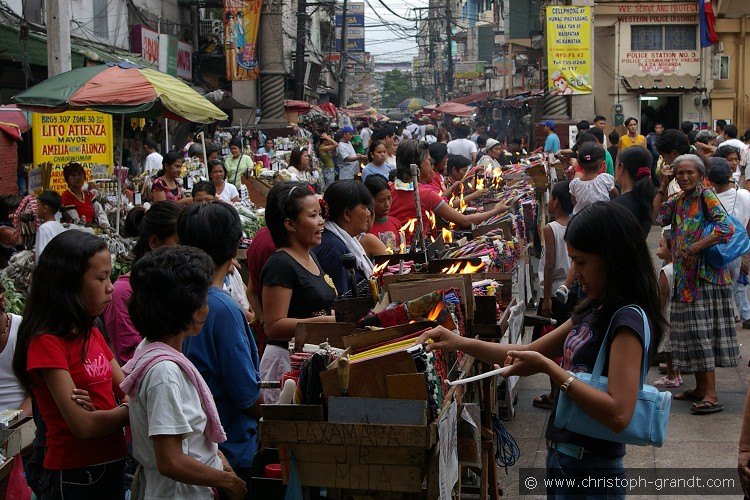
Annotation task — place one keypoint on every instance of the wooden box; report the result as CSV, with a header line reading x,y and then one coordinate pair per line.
x,y
371,457
410,286
316,333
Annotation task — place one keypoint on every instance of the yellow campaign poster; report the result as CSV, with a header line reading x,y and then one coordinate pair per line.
x,y
569,50
81,136
241,23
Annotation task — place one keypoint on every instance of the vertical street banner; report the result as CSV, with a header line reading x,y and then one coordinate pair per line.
x,y
241,22
81,136
569,50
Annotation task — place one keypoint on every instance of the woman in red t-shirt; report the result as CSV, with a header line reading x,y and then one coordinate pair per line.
x,y
384,226
59,350
78,204
402,192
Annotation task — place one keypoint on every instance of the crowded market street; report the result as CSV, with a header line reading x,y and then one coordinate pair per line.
x,y
374,249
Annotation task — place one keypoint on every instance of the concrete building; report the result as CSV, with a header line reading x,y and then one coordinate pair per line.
x,y
648,63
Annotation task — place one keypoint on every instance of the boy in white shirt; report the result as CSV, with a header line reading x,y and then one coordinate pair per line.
x,y
47,205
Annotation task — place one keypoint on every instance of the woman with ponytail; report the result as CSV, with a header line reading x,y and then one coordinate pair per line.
x,y
155,227
633,175
296,289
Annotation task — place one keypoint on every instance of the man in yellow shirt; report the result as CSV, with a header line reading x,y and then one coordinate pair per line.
x,y
632,138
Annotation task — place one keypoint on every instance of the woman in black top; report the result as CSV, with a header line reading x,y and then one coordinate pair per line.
x,y
615,270
294,286
633,175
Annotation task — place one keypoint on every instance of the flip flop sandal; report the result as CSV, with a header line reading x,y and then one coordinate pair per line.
x,y
544,402
688,395
705,407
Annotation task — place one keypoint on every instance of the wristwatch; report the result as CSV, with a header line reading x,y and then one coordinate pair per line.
x,y
565,386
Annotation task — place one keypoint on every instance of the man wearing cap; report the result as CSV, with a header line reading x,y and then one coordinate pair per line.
x,y
736,202
348,158
552,142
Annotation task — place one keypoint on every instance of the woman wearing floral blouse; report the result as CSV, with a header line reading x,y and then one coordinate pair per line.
x,y
702,331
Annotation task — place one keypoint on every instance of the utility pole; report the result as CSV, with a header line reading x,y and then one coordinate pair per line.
x,y
344,57
58,37
299,62
449,32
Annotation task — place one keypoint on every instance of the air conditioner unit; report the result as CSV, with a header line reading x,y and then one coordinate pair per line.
x,y
720,67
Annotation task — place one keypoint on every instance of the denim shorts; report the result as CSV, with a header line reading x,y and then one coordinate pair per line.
x,y
591,477
85,483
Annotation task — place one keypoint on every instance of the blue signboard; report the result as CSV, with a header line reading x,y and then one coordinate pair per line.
x,y
353,45
353,20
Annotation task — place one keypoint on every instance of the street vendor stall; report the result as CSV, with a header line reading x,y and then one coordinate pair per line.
x,y
371,411
119,89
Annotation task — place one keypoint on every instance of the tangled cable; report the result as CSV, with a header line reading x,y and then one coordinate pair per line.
x,y
507,452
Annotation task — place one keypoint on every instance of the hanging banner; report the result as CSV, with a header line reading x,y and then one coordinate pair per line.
x,y
569,50
81,136
241,21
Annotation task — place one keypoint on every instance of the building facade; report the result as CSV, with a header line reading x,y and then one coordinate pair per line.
x,y
648,63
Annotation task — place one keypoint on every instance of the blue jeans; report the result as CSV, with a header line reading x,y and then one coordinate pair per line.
x,y
571,479
329,177
739,290
85,483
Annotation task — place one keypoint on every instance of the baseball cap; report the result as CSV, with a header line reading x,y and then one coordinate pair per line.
x,y
720,172
590,152
491,143
347,130
547,123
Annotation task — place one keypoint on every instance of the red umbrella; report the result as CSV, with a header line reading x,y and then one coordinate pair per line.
x,y
9,113
456,109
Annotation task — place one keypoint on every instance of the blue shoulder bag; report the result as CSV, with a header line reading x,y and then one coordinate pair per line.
x,y
648,426
721,254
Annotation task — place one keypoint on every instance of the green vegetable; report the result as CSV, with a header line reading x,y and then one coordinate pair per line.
x,y
14,300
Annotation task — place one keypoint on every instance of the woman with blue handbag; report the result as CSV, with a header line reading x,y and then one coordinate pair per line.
x,y
702,328
620,314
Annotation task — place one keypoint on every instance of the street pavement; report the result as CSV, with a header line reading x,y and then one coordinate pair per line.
x,y
693,441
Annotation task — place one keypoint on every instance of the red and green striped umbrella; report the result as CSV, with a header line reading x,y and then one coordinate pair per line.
x,y
120,88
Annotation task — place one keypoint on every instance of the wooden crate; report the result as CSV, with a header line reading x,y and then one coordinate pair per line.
x,y
370,457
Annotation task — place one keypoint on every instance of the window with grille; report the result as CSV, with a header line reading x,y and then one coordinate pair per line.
x,y
669,37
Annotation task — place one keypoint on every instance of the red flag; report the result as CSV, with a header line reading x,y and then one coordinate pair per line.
x,y
707,23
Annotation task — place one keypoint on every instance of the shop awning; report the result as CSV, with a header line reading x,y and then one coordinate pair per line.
x,y
670,82
473,98
80,50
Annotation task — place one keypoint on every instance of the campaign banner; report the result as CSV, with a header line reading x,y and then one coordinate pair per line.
x,y
569,50
241,22
469,70
74,136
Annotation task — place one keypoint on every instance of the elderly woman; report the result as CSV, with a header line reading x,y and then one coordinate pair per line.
x,y
732,155
78,203
702,332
